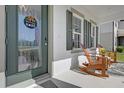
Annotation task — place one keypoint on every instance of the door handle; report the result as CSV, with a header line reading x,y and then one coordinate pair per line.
x,y
46,41
46,44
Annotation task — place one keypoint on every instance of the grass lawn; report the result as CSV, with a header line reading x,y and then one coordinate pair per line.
x,y
120,57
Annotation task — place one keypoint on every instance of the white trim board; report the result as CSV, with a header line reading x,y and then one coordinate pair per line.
x,y
61,66
64,65
2,80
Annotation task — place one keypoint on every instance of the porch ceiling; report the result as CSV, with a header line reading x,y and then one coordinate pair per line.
x,y
107,12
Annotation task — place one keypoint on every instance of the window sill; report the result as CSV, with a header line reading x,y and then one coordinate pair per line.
x,y
76,50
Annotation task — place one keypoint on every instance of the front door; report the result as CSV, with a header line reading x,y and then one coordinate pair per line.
x,y
26,42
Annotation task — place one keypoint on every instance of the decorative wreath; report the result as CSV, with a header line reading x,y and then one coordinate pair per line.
x,y
30,22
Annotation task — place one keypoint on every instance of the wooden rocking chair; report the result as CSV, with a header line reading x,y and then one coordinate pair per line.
x,y
90,68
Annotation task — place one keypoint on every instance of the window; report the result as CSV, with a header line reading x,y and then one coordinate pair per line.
x,y
76,32
79,30
90,34
87,34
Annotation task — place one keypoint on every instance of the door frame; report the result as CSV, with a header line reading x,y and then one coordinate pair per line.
x,y
29,73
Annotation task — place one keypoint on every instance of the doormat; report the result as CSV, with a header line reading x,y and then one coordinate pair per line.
x,y
49,84
55,83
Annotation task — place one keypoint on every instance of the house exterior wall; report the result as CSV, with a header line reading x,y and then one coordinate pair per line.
x,y
2,38
63,59
59,30
59,59
59,33
2,46
106,35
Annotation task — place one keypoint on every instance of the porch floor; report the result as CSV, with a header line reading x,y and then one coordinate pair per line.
x,y
88,81
74,78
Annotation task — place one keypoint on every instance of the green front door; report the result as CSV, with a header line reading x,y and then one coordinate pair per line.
x,y
26,42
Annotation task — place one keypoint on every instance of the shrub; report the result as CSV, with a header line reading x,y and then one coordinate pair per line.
x,y
119,49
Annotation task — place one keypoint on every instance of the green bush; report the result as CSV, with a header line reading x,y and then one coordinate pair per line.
x,y
119,49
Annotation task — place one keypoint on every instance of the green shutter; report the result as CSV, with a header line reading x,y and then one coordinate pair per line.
x,y
87,40
84,32
87,34
96,35
69,41
90,45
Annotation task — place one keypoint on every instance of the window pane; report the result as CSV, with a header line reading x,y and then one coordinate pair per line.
x,y
29,37
96,36
76,32
77,24
87,34
77,39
